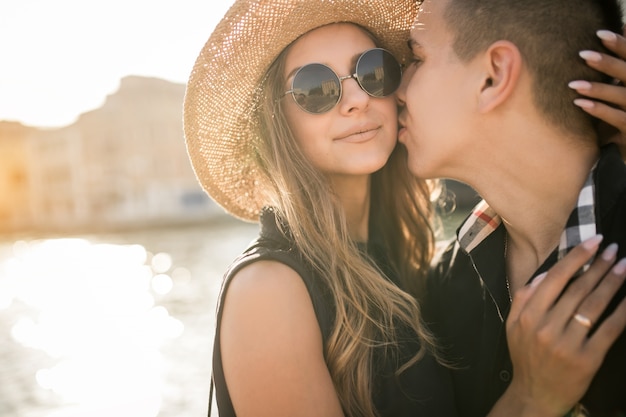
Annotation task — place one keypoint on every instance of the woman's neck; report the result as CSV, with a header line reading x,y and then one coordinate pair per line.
x,y
354,196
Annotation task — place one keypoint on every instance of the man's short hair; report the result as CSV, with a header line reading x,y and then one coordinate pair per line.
x,y
549,35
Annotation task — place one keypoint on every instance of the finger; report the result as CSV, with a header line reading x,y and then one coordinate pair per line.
x,y
560,274
613,116
613,42
608,331
593,306
521,297
614,94
580,288
611,66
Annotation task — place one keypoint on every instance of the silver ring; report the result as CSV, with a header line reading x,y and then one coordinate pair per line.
x,y
584,320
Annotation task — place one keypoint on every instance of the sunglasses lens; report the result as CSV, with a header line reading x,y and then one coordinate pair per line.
x,y
378,72
316,88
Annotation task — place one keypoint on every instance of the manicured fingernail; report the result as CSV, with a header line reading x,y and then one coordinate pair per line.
x,y
590,56
585,104
579,85
620,267
606,35
610,252
593,242
537,280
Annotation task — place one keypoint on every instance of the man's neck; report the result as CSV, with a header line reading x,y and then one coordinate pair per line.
x,y
534,191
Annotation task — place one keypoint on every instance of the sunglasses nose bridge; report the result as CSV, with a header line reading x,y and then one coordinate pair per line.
x,y
354,95
346,77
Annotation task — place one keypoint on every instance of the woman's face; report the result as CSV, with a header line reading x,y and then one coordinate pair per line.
x,y
356,136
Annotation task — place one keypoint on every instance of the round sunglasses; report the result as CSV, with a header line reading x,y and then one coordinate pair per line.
x,y
316,88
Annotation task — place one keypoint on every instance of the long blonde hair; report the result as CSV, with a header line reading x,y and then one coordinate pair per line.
x,y
369,307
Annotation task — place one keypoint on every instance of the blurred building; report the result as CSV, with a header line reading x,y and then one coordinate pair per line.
x,y
15,203
122,165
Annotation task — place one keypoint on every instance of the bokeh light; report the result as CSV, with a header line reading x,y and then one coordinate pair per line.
x,y
91,307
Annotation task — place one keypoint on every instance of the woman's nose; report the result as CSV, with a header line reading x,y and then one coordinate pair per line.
x,y
353,97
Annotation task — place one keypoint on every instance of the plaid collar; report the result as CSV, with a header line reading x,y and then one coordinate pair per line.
x,y
481,222
580,226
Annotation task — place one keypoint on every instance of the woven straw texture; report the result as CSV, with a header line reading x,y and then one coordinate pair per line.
x,y
219,117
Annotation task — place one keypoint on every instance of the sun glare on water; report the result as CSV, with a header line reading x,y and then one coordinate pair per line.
x,y
92,309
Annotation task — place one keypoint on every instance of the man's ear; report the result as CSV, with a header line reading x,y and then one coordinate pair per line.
x,y
502,63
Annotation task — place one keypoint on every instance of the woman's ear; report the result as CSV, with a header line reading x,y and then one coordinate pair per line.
x,y
502,64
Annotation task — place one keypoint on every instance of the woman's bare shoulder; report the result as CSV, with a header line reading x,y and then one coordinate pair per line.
x,y
271,345
265,278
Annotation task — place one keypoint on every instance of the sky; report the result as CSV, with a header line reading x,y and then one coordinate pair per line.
x,y
61,58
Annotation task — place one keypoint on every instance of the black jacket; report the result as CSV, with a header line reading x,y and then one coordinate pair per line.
x,y
467,303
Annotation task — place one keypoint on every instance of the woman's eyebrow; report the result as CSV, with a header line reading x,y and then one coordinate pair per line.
x,y
354,60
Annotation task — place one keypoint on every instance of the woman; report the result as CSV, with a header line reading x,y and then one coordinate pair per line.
x,y
345,317
312,319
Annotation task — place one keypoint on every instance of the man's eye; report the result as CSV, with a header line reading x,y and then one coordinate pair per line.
x,y
415,61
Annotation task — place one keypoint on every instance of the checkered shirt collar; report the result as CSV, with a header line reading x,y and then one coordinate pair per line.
x,y
481,222
580,226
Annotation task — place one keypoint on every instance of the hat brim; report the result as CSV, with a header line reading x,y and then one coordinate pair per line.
x,y
220,98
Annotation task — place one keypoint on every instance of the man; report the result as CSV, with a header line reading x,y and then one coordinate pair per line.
x,y
487,103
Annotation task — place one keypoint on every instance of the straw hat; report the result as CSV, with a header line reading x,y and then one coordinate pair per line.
x,y
223,88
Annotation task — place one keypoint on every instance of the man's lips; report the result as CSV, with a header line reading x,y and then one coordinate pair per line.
x,y
401,131
401,122
401,127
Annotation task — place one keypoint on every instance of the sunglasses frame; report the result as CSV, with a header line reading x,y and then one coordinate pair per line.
x,y
341,78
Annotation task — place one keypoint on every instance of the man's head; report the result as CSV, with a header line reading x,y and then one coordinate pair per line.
x,y
503,59
549,35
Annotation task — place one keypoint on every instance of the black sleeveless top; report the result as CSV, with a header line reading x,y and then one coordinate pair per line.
x,y
422,390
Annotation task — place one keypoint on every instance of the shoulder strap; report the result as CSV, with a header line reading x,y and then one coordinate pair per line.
x,y
210,395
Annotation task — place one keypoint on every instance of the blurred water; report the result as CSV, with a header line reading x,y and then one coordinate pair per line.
x,y
118,325
112,325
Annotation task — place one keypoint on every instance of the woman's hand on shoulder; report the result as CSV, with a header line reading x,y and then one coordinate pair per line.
x,y
554,356
598,94
271,345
